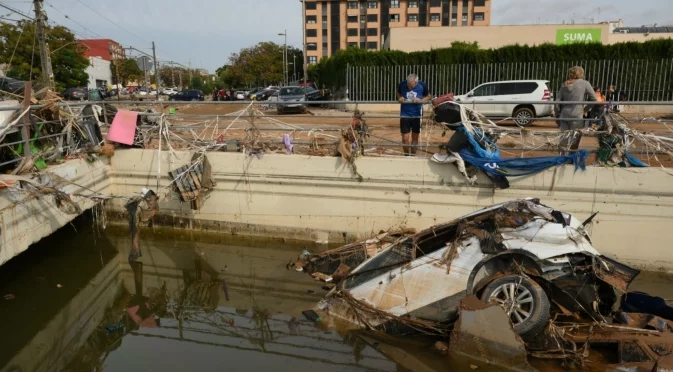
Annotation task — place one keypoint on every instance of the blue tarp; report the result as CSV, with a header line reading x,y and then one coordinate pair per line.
x,y
490,162
523,166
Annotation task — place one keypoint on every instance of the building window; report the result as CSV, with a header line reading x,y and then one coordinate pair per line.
x,y
455,4
311,19
352,19
353,44
435,17
363,45
478,16
372,4
372,32
324,20
372,18
311,46
311,33
454,20
363,19
394,18
479,2
413,3
352,5
312,60
464,17
412,18
394,3
311,6
435,3
352,32
371,45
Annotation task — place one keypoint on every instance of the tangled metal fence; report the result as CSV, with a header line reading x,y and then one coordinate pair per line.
x,y
640,80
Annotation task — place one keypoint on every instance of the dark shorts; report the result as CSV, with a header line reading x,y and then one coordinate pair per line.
x,y
410,125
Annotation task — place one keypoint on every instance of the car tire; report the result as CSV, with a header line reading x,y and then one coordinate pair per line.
x,y
530,298
523,116
279,111
194,99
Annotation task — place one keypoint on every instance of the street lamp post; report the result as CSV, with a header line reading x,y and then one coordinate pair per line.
x,y
305,62
284,56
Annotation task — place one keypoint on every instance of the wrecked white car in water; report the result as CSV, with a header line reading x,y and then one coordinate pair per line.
x,y
529,258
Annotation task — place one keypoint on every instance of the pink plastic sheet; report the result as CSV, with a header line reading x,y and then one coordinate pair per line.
x,y
123,128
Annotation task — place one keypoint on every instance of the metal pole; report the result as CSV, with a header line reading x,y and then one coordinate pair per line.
x,y
294,66
47,72
119,90
156,70
303,16
172,76
25,130
285,69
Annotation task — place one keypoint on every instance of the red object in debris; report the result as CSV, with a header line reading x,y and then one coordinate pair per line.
x,y
221,138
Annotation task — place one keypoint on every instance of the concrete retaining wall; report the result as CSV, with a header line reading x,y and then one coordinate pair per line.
x,y
25,219
318,198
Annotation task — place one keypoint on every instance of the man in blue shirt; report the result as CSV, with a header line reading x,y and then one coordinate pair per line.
x,y
411,93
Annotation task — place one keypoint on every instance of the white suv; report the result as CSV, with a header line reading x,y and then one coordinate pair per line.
x,y
480,99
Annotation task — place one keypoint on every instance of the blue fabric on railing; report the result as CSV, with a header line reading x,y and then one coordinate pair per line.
x,y
523,166
635,162
476,146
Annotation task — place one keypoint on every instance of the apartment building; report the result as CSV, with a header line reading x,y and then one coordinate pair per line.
x,y
107,49
337,24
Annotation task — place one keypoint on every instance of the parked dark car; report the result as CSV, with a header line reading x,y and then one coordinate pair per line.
x,y
12,85
265,94
251,94
188,95
75,94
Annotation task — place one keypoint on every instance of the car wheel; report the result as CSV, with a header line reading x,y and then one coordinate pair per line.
x,y
523,116
524,301
194,99
279,111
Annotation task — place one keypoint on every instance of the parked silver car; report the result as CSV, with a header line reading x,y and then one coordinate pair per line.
x,y
291,99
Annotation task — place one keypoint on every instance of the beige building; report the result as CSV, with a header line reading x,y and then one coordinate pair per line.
x,y
337,24
420,39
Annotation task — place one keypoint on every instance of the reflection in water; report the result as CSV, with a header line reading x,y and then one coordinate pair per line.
x,y
189,303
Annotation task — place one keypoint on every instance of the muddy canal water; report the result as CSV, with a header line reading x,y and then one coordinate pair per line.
x,y
73,302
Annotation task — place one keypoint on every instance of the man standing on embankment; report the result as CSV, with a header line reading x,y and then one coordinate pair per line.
x,y
411,93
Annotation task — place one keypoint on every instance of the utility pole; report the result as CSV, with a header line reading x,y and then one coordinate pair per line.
x,y
303,17
172,77
294,67
156,70
190,73
285,58
40,19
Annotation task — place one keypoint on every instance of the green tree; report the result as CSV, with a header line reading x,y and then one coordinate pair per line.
x,y
19,50
128,71
261,64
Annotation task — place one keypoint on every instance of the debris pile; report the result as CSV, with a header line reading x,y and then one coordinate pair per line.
x,y
558,293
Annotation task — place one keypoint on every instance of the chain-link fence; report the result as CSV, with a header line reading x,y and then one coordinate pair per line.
x,y
639,80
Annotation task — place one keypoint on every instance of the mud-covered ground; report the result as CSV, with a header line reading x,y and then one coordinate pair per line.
x,y
320,128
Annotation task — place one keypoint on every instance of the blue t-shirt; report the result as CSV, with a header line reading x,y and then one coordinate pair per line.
x,y
419,91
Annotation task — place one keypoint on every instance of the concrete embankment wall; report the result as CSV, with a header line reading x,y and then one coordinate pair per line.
x,y
318,198
27,217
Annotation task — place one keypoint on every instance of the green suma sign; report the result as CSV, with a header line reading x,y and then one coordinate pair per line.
x,y
578,35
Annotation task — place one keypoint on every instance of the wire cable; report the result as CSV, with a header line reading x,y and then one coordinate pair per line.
x,y
72,20
109,20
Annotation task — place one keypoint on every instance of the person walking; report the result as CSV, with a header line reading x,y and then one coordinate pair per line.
x,y
571,116
411,93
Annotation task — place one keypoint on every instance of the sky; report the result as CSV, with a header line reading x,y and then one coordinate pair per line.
x,y
207,32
